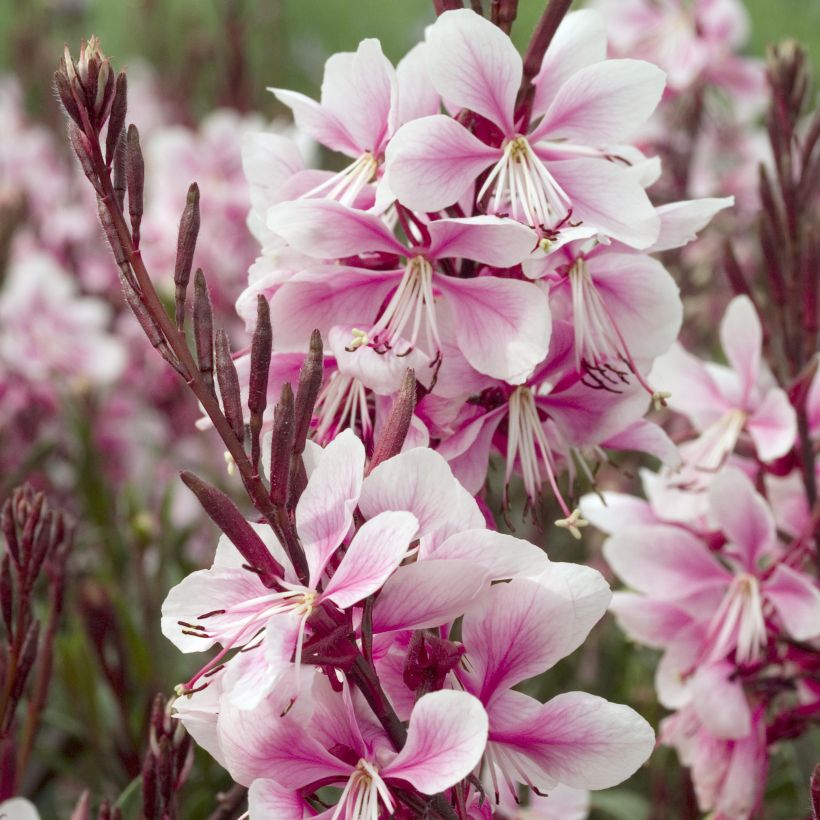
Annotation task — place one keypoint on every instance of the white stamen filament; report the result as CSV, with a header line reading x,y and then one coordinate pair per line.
x,y
709,451
342,404
347,184
599,344
738,622
412,304
523,187
360,797
527,442
294,598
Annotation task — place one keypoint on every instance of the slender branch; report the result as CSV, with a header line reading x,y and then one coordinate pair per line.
x,y
542,36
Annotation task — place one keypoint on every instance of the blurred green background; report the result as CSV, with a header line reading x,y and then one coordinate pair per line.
x,y
197,43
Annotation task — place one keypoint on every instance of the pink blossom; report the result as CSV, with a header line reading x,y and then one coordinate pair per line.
x,y
501,326
541,175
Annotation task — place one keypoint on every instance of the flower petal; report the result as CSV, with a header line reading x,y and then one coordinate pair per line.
x,y
431,162
486,239
503,556
267,799
315,120
327,229
502,325
773,425
515,631
663,561
474,65
427,594
682,221
741,338
607,198
417,96
743,516
603,103
650,622
577,739
720,701
375,551
445,741
797,601
325,510
579,41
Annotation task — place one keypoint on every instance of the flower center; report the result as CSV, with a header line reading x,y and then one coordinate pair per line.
x,y
410,312
738,622
360,798
347,184
342,404
522,186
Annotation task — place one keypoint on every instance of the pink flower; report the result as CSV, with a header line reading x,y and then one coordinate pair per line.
x,y
334,739
541,175
703,610
364,99
724,402
516,631
501,326
229,605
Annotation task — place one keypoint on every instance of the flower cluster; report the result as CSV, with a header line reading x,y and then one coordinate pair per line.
x,y
395,556
502,249
722,577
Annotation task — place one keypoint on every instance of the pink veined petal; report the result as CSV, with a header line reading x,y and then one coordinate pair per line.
x,y
261,742
693,390
502,325
375,551
587,416
251,676
577,739
663,561
607,198
268,160
267,799
773,425
603,104
417,96
327,229
743,516
325,510
644,436
503,556
360,89
419,481
432,161
650,622
326,296
588,592
203,592
562,803
427,594
198,713
720,701
640,297
741,338
445,741
486,239
797,601
474,65
515,631
18,808
317,121
616,511
468,450
579,42
682,221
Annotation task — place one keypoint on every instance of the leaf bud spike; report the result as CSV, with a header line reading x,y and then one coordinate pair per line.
x,y
229,385
310,382
224,513
135,177
281,446
204,329
116,121
118,163
186,245
261,349
398,422
62,86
